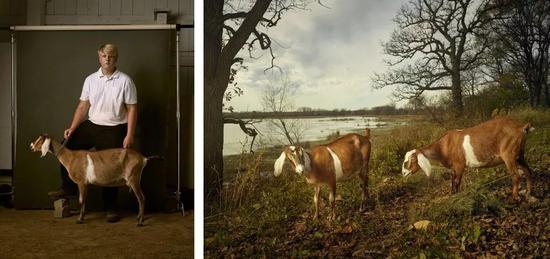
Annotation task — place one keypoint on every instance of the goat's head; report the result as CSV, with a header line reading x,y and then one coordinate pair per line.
x,y
297,157
41,144
414,161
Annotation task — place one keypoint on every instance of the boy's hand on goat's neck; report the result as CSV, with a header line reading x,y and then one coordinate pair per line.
x,y
128,141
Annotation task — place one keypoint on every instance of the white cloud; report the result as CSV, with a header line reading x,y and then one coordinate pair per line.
x,y
329,53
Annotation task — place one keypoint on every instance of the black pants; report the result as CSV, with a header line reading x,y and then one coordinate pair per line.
x,y
87,136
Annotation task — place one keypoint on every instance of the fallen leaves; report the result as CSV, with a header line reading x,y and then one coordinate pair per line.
x,y
420,225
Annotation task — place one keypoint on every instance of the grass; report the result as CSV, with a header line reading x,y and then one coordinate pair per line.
x,y
264,216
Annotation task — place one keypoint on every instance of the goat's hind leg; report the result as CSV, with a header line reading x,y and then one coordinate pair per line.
x,y
136,188
316,201
512,166
332,200
82,190
365,194
522,165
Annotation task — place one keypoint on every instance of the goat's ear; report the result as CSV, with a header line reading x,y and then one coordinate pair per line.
x,y
404,171
279,164
424,163
45,146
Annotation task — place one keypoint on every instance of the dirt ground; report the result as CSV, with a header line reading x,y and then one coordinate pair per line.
x,y
37,234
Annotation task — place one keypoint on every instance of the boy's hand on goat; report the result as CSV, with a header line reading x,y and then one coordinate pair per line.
x,y
67,133
128,141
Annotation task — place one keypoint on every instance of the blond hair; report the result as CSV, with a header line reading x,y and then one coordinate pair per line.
x,y
109,49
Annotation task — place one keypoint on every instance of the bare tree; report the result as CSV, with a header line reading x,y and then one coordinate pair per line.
x,y
434,43
278,98
229,27
524,36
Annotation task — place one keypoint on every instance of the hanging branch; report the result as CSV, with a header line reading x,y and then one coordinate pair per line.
x,y
247,126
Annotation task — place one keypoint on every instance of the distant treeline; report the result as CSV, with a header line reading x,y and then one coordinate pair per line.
x,y
310,112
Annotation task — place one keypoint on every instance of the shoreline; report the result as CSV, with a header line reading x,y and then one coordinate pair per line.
x,y
390,121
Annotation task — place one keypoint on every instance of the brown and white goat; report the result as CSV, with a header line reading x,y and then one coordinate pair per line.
x,y
110,167
327,164
491,143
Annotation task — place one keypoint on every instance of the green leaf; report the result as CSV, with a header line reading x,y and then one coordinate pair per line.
x,y
476,233
318,235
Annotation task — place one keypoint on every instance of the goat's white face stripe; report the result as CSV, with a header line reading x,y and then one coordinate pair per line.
x,y
90,174
339,173
471,159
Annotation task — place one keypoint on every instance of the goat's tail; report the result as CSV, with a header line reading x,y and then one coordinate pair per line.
x,y
154,158
528,128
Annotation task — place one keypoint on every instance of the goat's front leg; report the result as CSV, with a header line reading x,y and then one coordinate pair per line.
x,y
82,200
456,179
316,201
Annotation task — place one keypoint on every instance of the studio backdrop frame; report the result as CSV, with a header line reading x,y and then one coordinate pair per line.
x,y
49,65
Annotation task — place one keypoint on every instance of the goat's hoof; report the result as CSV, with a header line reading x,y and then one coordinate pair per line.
x,y
140,224
514,200
79,221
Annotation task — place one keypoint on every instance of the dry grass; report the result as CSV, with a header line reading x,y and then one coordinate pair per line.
x,y
268,216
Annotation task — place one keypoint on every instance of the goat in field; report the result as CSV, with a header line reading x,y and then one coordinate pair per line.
x,y
491,143
110,167
327,164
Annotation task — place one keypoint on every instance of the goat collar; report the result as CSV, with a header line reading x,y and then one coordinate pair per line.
x,y
61,147
307,162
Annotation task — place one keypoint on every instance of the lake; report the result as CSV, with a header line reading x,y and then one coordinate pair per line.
x,y
317,128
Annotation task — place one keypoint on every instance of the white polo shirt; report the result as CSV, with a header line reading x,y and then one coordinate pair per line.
x,y
108,96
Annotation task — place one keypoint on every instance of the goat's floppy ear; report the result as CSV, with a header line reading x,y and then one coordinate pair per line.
x,y
424,163
279,164
45,146
404,171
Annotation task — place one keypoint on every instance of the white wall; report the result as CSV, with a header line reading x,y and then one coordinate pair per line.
x,y
116,11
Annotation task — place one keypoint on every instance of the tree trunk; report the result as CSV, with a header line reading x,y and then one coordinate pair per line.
x,y
456,91
217,69
546,95
214,88
213,141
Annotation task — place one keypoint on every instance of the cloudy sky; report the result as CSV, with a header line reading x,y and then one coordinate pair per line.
x,y
328,55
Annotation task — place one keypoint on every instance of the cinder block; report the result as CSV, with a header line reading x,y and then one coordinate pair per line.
x,y
61,208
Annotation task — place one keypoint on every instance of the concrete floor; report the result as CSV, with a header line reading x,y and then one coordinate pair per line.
x,y
37,234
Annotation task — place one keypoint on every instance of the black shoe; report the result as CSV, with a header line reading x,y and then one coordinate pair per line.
x,y
112,217
60,193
